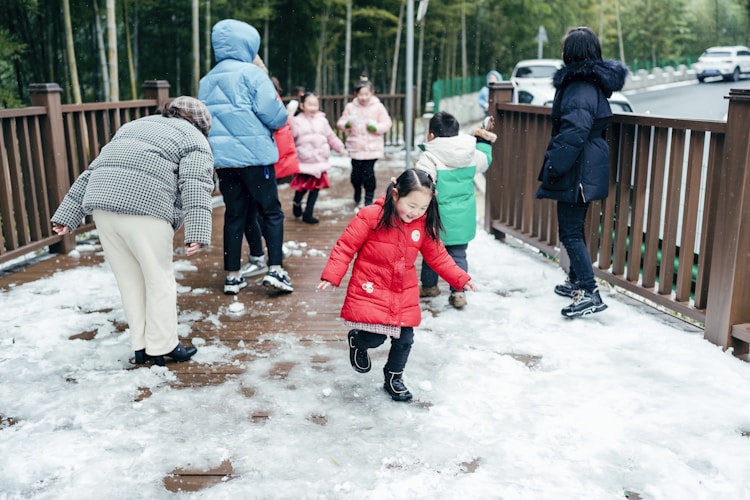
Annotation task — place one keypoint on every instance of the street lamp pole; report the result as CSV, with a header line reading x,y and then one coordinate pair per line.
x,y
409,125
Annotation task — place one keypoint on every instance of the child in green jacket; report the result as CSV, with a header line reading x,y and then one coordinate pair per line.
x,y
452,159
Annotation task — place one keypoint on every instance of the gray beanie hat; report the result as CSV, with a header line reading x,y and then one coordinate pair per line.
x,y
192,110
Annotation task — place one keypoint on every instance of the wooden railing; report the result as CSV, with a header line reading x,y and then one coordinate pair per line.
x,y
675,228
46,146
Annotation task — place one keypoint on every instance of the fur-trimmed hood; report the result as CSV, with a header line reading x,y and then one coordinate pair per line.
x,y
609,75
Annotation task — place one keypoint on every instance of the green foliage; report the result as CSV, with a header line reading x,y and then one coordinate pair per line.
x,y
498,34
11,52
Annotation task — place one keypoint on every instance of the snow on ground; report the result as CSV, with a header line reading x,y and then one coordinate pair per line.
x,y
513,402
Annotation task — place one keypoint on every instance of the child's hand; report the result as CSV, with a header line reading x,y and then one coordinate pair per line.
x,y
470,286
325,284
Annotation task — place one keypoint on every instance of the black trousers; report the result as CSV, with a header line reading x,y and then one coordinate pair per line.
x,y
363,175
240,188
400,347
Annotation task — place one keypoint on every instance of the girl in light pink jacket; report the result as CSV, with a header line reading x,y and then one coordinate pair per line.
x,y
365,120
314,139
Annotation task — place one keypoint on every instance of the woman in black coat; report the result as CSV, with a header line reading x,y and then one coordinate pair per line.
x,y
576,163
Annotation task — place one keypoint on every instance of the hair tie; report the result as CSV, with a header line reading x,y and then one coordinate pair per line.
x,y
393,180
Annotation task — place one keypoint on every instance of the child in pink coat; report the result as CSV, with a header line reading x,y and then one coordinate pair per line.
x,y
365,120
314,140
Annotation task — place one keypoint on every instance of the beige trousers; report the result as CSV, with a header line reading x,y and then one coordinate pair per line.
x,y
139,251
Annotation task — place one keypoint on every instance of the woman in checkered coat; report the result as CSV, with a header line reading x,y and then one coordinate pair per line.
x,y
155,174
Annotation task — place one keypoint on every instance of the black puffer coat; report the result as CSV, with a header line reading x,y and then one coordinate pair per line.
x,y
576,163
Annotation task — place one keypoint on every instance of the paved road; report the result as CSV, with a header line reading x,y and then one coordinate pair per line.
x,y
687,100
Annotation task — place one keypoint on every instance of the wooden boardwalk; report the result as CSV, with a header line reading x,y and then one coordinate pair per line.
x,y
307,314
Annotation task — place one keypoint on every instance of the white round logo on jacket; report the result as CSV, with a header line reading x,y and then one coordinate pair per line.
x,y
415,235
368,287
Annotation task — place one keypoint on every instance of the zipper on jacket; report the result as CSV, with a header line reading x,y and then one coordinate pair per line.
x,y
583,196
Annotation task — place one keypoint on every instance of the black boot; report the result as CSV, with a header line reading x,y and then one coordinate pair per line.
x,y
178,354
308,215
394,385
297,204
359,358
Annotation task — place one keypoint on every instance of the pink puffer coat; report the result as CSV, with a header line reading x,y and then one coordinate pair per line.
x,y
314,140
361,143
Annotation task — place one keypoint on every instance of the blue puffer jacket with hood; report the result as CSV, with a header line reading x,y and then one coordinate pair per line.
x,y
576,163
484,92
243,102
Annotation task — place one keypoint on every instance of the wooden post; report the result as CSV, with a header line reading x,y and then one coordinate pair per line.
x,y
728,305
53,138
157,89
499,92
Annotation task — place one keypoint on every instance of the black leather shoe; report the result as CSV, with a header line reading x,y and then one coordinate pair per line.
x,y
178,354
141,358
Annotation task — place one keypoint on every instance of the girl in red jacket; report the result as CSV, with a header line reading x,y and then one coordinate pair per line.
x,y
382,299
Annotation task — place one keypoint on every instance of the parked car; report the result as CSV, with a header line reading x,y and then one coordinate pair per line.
x,y
543,95
530,72
727,62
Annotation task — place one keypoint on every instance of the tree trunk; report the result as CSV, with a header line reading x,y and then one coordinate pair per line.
x,y
348,46
464,56
619,31
129,48
208,36
196,49
420,58
102,51
397,48
266,35
114,85
73,68
321,48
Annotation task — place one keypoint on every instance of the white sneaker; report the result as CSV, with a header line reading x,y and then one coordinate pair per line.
x,y
254,267
278,280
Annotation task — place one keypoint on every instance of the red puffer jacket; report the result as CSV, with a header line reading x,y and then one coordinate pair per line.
x,y
288,163
384,288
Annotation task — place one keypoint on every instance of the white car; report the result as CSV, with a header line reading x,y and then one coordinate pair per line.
x,y
728,63
540,95
531,72
532,84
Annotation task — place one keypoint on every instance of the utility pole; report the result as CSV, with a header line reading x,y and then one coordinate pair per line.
x,y
409,125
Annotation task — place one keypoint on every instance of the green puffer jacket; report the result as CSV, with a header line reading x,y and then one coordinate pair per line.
x,y
453,161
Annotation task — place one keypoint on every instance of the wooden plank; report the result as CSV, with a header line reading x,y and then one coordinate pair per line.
x,y
622,213
672,212
690,217
708,225
656,192
638,204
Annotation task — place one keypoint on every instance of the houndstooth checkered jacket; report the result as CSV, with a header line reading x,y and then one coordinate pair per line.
x,y
157,166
